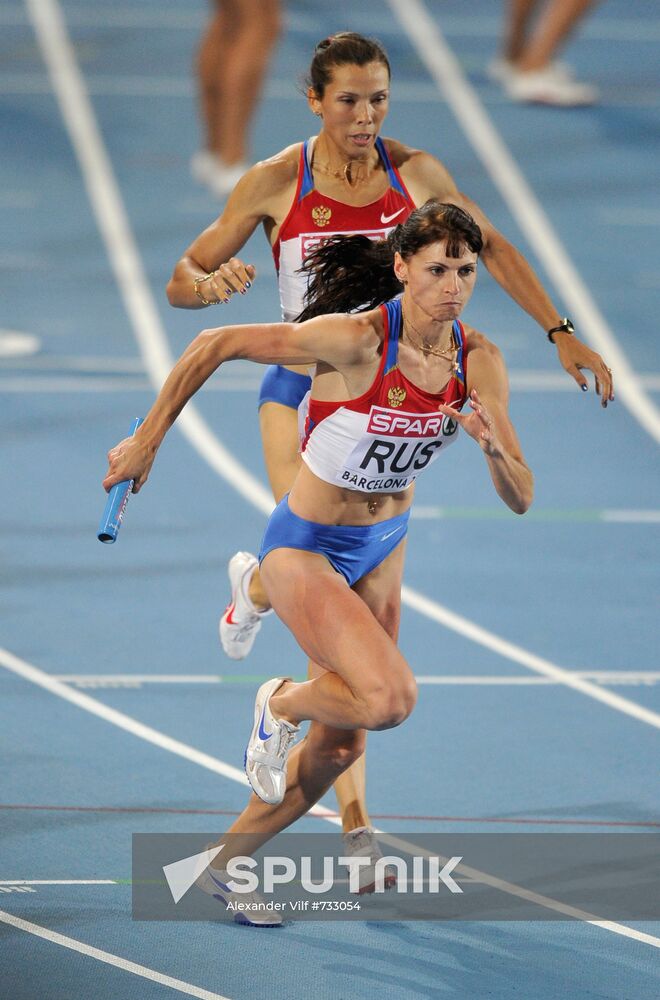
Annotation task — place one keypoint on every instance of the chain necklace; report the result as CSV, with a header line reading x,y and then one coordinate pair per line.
x,y
341,175
450,353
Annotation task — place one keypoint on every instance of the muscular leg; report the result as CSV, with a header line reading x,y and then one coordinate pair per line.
x,y
312,767
326,752
557,21
367,683
350,786
279,438
518,17
232,62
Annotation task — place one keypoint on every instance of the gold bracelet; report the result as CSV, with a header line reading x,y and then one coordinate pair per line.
x,y
197,283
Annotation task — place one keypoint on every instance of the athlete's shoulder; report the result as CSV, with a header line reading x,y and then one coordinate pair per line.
x,y
275,173
425,176
483,354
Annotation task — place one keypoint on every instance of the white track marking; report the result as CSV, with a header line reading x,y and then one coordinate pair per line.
x,y
108,958
509,650
615,677
107,205
125,722
523,204
59,881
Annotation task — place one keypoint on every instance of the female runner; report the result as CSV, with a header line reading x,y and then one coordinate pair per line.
x,y
388,388
346,179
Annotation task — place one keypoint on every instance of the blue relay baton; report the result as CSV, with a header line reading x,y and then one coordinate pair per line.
x,y
116,503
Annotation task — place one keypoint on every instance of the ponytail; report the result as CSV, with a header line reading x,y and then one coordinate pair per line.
x,y
349,273
353,273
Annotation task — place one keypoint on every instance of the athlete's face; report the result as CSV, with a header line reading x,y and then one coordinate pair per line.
x,y
354,106
439,285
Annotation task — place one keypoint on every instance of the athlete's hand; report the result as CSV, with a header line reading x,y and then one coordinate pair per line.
x,y
574,356
130,459
227,279
478,424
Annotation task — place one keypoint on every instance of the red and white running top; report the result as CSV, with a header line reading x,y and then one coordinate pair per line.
x,y
381,441
313,217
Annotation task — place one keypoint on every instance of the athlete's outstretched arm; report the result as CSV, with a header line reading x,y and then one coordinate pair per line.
x,y
516,276
490,425
340,341
426,178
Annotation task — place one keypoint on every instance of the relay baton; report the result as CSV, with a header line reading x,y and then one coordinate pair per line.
x,y
116,503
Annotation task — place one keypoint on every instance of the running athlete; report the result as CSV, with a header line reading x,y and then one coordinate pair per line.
x,y
387,393
345,179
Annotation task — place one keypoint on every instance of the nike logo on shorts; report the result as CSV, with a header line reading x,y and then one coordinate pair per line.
x,y
389,534
388,218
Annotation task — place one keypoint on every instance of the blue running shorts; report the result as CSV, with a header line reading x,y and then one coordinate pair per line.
x,y
353,550
279,385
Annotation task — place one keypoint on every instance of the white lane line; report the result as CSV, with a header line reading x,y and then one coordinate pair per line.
x,y
59,881
470,114
105,956
616,677
431,512
108,207
125,722
106,201
509,650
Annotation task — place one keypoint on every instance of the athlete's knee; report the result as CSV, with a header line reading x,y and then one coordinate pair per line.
x,y
391,704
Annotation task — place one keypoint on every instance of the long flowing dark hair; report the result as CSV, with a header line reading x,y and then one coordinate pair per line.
x,y
354,273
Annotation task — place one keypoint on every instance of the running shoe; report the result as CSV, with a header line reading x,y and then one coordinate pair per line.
x,y
252,912
554,85
362,843
240,621
219,177
267,752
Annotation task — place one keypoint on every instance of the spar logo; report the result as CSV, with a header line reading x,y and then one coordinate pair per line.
x,y
417,425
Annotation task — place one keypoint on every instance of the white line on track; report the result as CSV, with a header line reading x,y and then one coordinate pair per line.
x,y
128,724
615,677
439,59
59,881
483,637
107,205
108,958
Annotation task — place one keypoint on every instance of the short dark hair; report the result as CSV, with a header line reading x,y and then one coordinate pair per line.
x,y
346,48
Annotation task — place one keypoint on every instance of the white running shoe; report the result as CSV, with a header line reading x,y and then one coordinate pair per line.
x,y
240,621
267,752
553,85
253,912
219,177
362,843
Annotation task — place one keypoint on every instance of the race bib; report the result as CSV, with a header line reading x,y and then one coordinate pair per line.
x,y
394,449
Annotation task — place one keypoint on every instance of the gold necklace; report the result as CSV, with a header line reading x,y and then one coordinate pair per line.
x,y
451,353
341,175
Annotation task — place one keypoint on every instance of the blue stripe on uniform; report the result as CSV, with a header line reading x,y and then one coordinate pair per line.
x,y
394,180
308,180
394,328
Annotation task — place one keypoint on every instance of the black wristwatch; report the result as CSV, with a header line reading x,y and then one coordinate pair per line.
x,y
566,326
